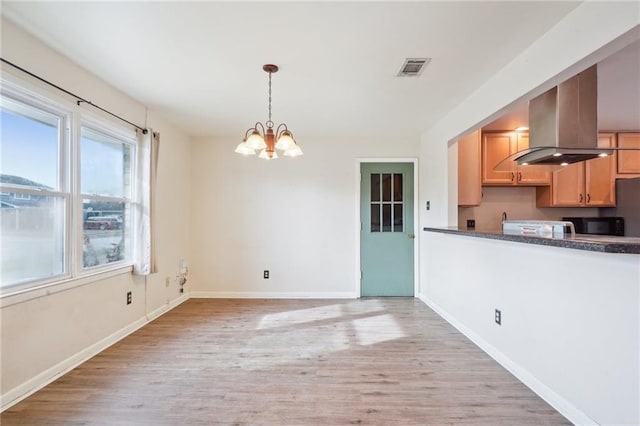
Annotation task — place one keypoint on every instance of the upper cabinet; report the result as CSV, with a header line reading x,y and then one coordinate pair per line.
x,y
496,146
587,184
469,174
628,161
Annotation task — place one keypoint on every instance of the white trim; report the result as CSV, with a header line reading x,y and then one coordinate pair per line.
x,y
560,404
416,245
166,307
271,295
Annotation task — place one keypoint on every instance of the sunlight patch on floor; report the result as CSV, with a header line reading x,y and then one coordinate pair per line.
x,y
301,316
283,337
377,329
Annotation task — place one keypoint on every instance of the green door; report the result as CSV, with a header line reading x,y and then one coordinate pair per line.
x,y
387,234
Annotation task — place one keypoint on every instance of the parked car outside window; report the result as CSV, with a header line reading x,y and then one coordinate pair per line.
x,y
102,223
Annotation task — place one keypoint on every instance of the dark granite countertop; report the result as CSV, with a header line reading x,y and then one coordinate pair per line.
x,y
599,243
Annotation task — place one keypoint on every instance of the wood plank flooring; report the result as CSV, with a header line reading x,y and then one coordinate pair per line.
x,y
387,361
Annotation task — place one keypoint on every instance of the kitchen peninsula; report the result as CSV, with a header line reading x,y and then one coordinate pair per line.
x,y
604,244
562,315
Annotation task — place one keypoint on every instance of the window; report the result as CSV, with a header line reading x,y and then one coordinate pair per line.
x,y
66,196
105,182
386,202
35,199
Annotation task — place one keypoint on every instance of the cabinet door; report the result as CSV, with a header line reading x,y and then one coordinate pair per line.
x,y
469,170
628,161
568,186
600,175
495,148
528,176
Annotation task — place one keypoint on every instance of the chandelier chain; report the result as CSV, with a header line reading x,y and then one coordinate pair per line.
x,y
269,123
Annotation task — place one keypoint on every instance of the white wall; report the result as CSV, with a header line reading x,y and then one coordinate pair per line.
x,y
570,323
587,35
292,216
43,336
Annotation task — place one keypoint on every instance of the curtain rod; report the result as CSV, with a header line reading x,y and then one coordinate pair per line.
x,y
79,99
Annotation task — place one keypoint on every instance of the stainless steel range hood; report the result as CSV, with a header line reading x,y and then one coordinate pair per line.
x,y
563,124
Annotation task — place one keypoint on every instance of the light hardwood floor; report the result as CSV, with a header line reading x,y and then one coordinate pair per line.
x,y
388,361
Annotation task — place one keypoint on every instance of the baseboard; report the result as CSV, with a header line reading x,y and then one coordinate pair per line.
x,y
270,295
560,404
166,308
48,376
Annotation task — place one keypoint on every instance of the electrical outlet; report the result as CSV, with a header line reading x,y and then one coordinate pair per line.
x,y
471,223
266,274
128,298
498,317
167,281
428,205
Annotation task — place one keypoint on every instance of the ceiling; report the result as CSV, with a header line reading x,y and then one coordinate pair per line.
x,y
200,63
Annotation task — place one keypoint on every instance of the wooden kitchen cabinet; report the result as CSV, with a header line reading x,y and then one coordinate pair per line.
x,y
469,170
496,146
628,161
586,184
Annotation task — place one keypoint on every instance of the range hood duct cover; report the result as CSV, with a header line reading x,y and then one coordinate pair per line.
x,y
563,123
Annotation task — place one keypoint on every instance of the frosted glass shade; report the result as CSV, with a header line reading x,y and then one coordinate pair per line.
x,y
265,155
255,141
285,141
244,149
294,151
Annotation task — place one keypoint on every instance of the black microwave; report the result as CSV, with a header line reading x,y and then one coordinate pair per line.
x,y
597,225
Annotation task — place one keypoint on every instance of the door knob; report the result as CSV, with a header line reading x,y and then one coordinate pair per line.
x,y
411,236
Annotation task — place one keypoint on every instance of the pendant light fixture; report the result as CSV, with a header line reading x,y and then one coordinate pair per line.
x,y
263,137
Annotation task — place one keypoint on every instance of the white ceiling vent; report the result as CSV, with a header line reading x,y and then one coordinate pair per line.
x,y
413,67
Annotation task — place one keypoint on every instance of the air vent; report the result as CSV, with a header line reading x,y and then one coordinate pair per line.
x,y
413,67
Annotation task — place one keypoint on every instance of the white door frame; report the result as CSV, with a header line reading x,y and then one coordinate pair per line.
x,y
416,245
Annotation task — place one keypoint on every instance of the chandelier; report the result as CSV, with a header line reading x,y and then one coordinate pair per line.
x,y
263,137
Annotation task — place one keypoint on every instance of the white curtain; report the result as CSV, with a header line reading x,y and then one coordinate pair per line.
x,y
146,175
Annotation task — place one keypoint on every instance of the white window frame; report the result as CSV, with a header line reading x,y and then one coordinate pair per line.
x,y
127,138
72,118
63,190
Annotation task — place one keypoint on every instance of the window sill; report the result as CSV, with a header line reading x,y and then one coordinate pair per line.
x,y
24,295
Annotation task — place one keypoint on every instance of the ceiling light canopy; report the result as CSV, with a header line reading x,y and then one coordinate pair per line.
x,y
263,137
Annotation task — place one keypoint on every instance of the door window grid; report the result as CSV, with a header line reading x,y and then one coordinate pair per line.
x,y
387,204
